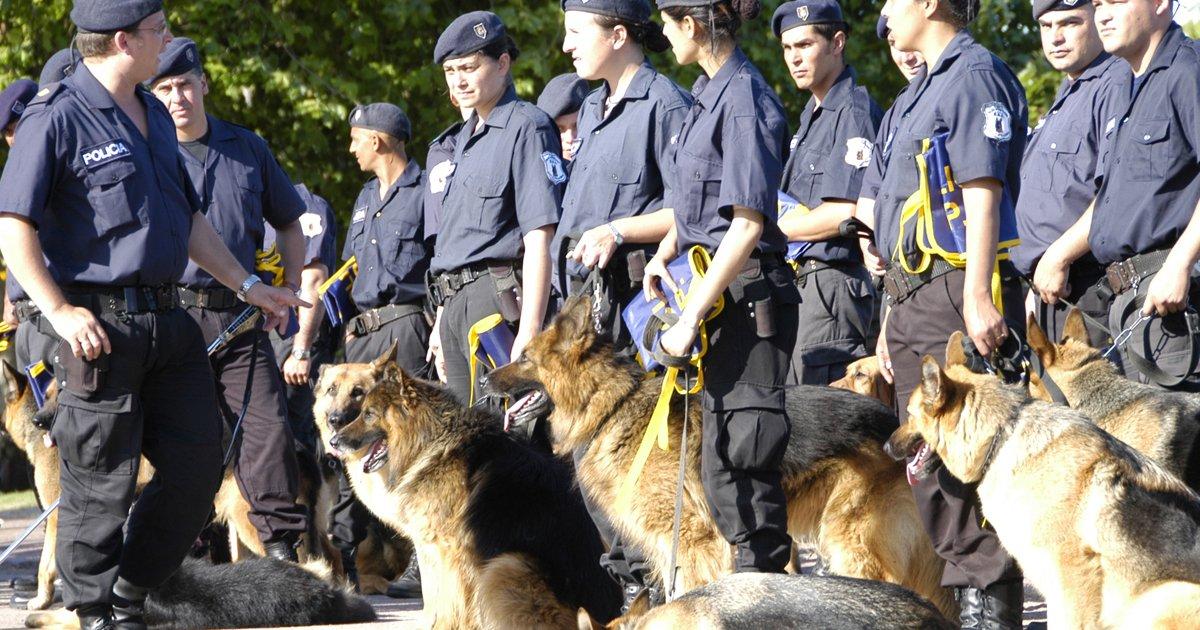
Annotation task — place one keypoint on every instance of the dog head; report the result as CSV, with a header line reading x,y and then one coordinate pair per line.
x,y
22,418
954,414
1062,361
865,377
340,392
630,620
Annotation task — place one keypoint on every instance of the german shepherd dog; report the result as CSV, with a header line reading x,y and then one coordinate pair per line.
x,y
844,494
752,601
502,536
864,377
1105,534
255,593
1160,424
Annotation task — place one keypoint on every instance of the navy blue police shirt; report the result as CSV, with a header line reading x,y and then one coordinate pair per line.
x,y
881,150
971,94
730,152
440,161
387,237
830,154
507,182
319,227
112,207
1152,179
241,188
620,166
1061,171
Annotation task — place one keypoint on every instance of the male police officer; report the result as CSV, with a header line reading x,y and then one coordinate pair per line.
x,y
829,155
99,220
1144,223
970,95
13,100
1062,160
561,99
241,187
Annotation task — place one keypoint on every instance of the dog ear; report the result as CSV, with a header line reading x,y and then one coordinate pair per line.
x,y
14,382
1039,342
933,384
955,355
1075,329
584,621
321,372
389,356
392,372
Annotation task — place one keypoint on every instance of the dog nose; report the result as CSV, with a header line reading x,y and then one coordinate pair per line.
x,y
337,420
335,441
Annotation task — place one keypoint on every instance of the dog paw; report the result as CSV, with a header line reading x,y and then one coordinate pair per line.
x,y
39,603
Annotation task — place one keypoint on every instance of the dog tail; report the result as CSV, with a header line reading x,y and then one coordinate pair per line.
x,y
514,594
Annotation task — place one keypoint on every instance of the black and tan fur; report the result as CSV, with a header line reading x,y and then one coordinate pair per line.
x,y
1105,534
845,496
864,377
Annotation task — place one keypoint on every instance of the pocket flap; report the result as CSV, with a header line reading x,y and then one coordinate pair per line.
x,y
1151,131
106,175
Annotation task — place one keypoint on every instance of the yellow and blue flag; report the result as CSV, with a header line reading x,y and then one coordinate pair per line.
x,y
335,294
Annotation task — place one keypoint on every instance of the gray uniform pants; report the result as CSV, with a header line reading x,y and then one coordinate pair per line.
x,y
836,307
1163,340
474,302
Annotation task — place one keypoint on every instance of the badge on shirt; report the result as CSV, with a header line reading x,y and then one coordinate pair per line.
x,y
997,122
1112,124
795,142
360,214
103,153
311,224
858,152
554,167
439,175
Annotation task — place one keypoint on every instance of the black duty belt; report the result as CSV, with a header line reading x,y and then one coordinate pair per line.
x,y
216,299
372,320
123,301
805,267
900,285
445,285
25,310
1128,273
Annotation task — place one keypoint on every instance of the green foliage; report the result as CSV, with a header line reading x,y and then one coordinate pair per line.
x,y
292,69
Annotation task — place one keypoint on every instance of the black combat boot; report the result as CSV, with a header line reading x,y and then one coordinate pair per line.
x,y
408,585
282,549
998,607
129,604
96,618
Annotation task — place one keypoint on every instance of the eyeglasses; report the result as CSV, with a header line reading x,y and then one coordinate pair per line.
x,y
160,30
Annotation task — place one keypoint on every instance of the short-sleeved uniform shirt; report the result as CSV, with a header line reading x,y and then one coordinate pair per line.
x,y
440,161
387,237
830,154
112,207
507,181
319,227
1061,170
241,188
730,152
976,98
881,150
1152,179
619,167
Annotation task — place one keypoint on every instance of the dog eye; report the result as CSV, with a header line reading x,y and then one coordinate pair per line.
x,y
356,392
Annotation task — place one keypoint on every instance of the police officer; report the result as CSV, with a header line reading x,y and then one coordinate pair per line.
x,y
387,237
13,100
241,188
561,99
613,205
99,220
970,94
909,63
1062,159
501,202
728,162
1143,225
829,155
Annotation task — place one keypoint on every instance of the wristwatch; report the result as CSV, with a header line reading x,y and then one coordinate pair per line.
x,y
301,355
616,233
247,284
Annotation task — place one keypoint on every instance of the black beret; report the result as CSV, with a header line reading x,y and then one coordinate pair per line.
x,y
384,118
59,66
563,95
13,100
105,16
789,15
881,28
468,33
1042,7
667,4
636,11
179,57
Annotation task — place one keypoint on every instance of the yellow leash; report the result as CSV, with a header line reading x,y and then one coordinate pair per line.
x,y
347,268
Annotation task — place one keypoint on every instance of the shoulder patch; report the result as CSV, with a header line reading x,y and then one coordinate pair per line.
x,y
858,152
103,153
311,224
360,214
439,175
997,122
555,171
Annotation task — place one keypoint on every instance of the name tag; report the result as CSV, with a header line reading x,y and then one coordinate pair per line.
x,y
103,153
360,214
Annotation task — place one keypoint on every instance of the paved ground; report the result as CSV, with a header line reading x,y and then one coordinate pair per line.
x,y
392,613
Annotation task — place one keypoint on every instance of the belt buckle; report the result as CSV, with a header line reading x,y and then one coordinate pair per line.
x,y
371,319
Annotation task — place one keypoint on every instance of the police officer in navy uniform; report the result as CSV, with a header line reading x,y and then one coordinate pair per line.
x,y
99,220
728,162
613,206
1143,225
388,239
561,99
970,94
241,188
1062,165
13,100
830,154
500,204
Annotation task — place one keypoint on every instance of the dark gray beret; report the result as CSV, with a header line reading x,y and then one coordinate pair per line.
x,y
13,100
468,33
667,4
789,15
179,57
636,11
881,28
1042,7
106,16
384,118
563,95
59,66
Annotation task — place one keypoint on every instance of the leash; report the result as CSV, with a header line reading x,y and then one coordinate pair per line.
x,y
678,518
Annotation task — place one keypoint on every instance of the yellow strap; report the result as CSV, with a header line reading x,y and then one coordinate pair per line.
x,y
349,267
269,261
480,327
6,330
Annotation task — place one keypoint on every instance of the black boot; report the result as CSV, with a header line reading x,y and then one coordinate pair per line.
x,y
281,550
129,601
998,607
96,618
408,585
350,566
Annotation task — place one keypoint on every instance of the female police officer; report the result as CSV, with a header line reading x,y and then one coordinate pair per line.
x,y
503,196
728,163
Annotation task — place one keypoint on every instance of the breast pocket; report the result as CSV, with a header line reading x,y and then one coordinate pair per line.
x,y
622,184
355,235
402,246
702,180
1149,157
810,168
1063,158
488,190
250,191
113,192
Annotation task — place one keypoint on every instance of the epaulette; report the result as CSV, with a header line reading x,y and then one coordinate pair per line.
x,y
46,93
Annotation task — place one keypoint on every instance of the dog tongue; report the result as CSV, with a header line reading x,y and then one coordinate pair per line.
x,y
915,464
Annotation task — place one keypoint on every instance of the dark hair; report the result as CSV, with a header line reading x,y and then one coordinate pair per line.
x,y
647,34
501,47
721,20
829,29
92,44
962,12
